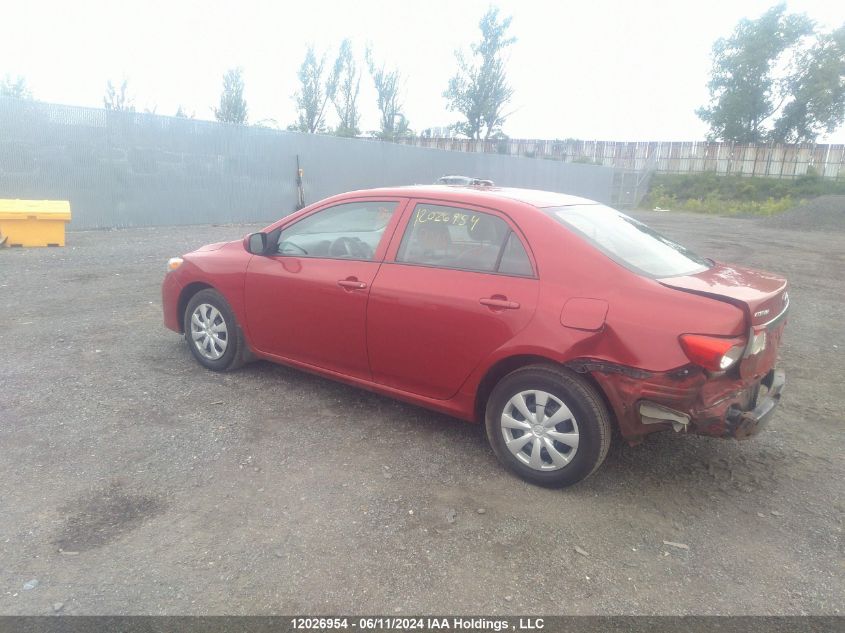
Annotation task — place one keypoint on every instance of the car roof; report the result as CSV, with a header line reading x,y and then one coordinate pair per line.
x,y
480,194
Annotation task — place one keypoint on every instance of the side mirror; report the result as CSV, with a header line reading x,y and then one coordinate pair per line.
x,y
256,243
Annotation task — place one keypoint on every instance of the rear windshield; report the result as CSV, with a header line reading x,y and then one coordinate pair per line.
x,y
629,242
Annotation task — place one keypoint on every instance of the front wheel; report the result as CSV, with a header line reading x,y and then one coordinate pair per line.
x,y
548,425
212,332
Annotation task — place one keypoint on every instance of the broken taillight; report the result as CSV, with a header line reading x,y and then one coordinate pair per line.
x,y
712,352
758,341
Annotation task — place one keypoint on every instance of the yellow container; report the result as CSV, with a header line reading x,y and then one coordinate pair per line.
x,y
33,222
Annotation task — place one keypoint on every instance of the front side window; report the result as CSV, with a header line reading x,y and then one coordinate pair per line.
x,y
451,237
628,241
346,231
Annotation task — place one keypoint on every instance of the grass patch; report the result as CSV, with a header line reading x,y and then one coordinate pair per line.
x,y
735,195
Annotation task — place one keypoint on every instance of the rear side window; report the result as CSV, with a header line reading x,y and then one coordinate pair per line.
x,y
514,259
628,241
451,237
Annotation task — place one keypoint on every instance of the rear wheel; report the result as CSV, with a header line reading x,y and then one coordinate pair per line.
x,y
548,425
212,332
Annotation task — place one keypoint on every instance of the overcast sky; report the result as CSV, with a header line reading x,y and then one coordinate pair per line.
x,y
597,69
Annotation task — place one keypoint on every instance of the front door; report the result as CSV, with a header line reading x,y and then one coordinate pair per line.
x,y
307,300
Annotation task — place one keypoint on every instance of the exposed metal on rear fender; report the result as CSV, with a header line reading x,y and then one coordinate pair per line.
x,y
653,413
588,365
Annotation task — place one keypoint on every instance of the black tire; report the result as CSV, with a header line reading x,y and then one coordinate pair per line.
x,y
591,422
233,355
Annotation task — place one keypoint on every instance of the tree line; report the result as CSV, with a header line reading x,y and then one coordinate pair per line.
x,y
778,78
479,90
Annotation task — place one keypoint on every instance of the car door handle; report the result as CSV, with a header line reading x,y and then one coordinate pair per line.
x,y
499,303
351,284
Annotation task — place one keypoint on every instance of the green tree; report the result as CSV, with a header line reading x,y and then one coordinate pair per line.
x,y
15,87
751,101
817,89
393,122
313,94
480,90
347,79
233,108
117,98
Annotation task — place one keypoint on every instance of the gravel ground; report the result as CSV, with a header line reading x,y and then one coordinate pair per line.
x,y
136,482
825,213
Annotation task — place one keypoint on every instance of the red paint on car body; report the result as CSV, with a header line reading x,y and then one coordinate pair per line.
x,y
582,313
435,336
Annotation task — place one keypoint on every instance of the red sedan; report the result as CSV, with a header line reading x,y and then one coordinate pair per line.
x,y
548,317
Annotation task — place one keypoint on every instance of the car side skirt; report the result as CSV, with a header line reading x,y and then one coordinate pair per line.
x,y
460,406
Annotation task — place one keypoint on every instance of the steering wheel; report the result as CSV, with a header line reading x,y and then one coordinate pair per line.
x,y
350,247
284,244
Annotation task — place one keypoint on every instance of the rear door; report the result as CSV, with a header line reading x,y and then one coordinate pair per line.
x,y
457,283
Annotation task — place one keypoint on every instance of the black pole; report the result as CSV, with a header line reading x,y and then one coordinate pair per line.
x,y
300,203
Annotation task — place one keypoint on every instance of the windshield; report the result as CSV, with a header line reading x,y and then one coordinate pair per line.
x,y
629,242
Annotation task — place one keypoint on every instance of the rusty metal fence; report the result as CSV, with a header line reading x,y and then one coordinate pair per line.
x,y
772,160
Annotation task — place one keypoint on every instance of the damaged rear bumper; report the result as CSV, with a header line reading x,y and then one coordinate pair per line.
x,y
690,401
741,424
